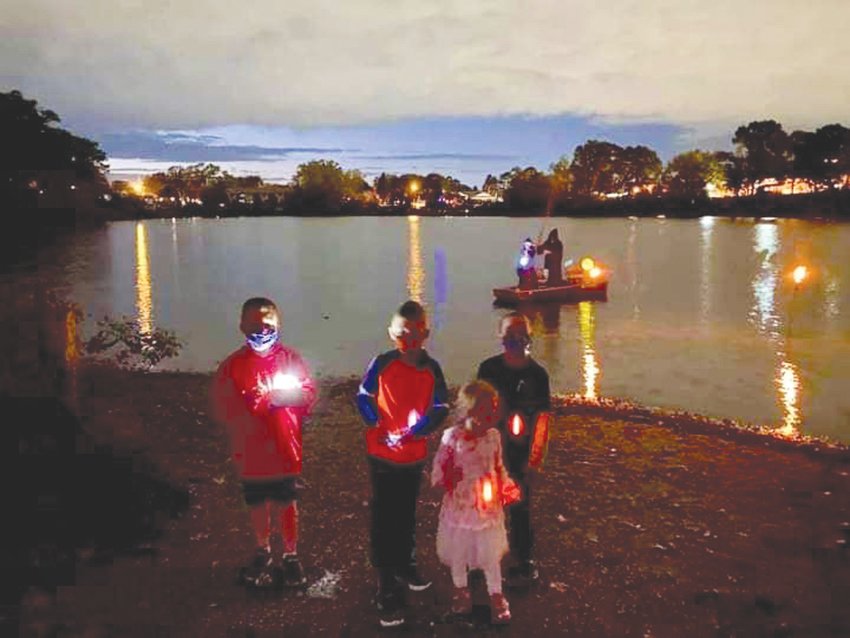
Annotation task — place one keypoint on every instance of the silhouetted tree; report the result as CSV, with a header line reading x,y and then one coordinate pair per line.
x,y
35,150
639,169
687,174
767,151
528,189
594,168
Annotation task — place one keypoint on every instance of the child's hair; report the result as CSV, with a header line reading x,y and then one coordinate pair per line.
x,y
476,392
411,311
256,303
511,318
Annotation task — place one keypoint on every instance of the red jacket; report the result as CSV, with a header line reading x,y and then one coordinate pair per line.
x,y
265,440
395,398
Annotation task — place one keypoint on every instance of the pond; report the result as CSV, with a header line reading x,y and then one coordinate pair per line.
x,y
701,315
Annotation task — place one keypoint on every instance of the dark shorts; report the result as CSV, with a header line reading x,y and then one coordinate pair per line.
x,y
281,490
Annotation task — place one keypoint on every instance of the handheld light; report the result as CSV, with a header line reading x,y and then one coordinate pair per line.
x,y
517,425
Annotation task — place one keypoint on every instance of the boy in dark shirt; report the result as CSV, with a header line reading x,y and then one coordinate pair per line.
x,y
523,385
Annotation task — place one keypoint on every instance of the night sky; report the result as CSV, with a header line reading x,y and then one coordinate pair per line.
x,y
462,88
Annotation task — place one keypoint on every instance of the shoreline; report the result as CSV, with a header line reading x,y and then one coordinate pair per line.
x,y
644,526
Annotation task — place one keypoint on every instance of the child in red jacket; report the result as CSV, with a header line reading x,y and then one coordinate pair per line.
x,y
262,394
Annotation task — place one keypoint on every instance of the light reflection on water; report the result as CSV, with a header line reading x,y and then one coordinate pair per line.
x,y
590,366
768,317
707,226
415,271
144,296
700,314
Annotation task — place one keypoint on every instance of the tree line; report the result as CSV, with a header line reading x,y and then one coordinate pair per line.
x,y
39,154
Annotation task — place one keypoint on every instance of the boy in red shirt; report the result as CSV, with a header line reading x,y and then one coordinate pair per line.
x,y
262,394
403,397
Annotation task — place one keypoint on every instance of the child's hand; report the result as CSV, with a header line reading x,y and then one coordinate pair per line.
x,y
394,440
290,397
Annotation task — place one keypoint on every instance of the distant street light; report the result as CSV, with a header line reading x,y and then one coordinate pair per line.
x,y
800,273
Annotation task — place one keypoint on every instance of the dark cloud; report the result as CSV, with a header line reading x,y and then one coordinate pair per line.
x,y
185,147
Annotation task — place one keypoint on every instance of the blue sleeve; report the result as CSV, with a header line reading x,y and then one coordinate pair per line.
x,y
439,409
366,402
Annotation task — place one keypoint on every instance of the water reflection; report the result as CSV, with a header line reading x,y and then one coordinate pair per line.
x,y
441,287
415,272
632,268
788,383
72,356
590,370
767,319
763,312
831,292
707,228
144,300
544,318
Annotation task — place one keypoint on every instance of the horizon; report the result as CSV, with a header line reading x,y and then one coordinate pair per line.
x,y
461,89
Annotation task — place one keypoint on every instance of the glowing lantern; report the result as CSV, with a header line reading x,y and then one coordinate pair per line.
x,y
517,425
595,272
799,274
281,381
487,491
587,263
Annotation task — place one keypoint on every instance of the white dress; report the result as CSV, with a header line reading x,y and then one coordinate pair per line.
x,y
471,531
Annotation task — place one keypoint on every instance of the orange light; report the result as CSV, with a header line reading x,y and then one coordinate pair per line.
x,y
587,263
487,491
595,272
799,274
517,425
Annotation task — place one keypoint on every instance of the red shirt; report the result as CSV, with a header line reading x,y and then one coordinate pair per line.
x,y
265,440
394,396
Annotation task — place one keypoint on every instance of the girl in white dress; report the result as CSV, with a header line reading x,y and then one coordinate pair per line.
x,y
468,465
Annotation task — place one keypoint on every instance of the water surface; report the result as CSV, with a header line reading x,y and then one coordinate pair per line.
x,y
702,315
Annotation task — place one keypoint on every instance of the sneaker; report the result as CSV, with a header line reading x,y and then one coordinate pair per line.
x,y
259,571
461,601
413,580
389,603
391,618
500,611
293,573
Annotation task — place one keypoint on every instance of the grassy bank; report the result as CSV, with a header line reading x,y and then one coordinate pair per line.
x,y
647,525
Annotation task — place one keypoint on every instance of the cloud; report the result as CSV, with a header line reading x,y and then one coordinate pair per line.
x,y
160,64
186,147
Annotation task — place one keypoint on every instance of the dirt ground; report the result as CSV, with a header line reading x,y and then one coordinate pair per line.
x,y
646,525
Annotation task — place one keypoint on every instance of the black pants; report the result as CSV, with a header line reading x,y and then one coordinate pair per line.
x,y
395,489
521,537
